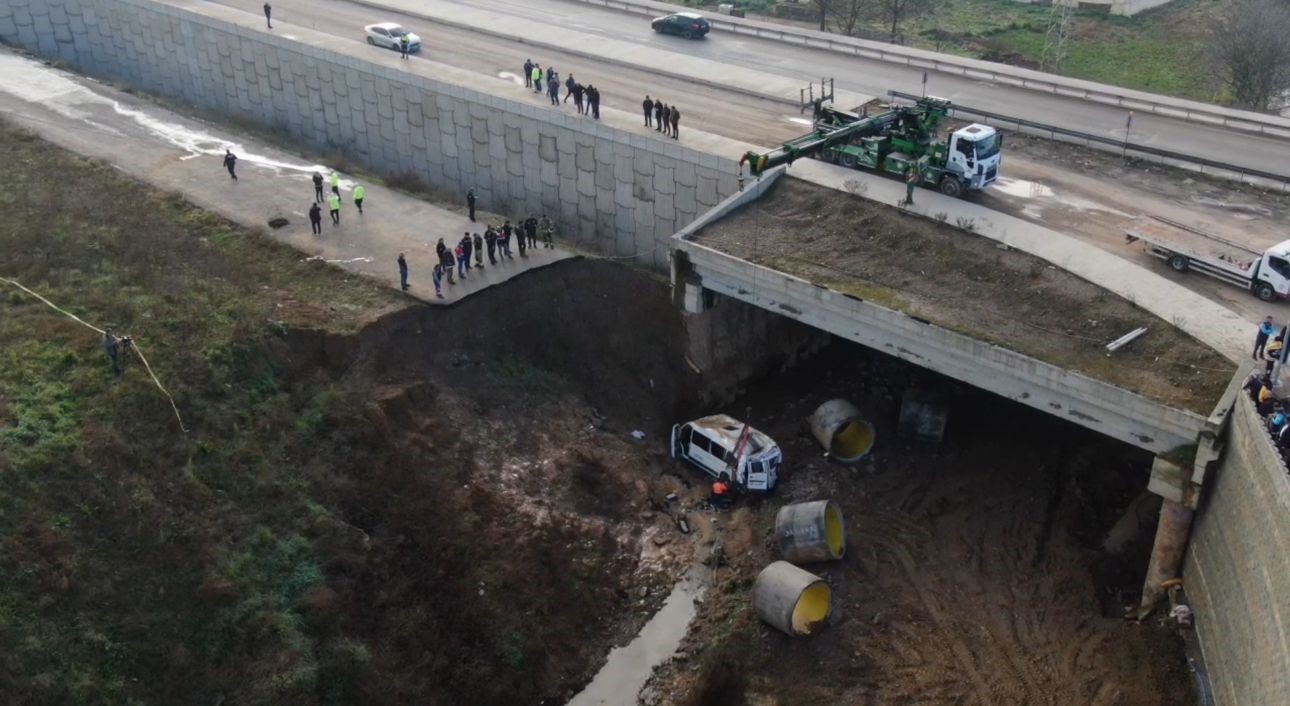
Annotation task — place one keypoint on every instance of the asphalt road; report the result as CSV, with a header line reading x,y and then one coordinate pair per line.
x,y
852,74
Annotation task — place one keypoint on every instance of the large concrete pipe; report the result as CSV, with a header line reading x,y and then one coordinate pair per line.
x,y
808,532
837,425
794,601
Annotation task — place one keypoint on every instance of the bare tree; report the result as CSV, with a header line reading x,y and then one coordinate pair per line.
x,y
897,11
823,6
1252,53
849,13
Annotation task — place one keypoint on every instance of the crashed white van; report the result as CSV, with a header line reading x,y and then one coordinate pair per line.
x,y
710,444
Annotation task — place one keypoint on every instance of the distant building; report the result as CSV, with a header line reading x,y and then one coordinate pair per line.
x,y
1114,7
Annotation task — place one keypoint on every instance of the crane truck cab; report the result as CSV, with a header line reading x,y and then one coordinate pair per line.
x,y
716,443
973,158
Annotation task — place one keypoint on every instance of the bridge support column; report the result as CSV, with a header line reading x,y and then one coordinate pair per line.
x,y
1172,533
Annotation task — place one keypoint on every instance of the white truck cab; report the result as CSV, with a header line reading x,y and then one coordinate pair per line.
x,y
975,153
711,442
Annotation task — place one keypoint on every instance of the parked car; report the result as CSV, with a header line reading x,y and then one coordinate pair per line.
x,y
386,34
684,24
711,443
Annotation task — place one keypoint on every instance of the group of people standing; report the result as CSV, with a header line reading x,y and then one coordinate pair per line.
x,y
664,118
468,254
1269,347
585,98
332,200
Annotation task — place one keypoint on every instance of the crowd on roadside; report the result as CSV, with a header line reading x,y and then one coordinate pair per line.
x,y
1269,349
586,98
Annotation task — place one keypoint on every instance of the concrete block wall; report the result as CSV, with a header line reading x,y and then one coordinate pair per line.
x,y
1237,572
616,192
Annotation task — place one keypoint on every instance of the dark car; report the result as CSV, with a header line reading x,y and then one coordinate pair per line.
x,y
684,24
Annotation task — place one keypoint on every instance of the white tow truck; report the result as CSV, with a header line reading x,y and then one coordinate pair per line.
x,y
1265,274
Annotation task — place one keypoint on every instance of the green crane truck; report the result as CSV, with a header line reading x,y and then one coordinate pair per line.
x,y
893,141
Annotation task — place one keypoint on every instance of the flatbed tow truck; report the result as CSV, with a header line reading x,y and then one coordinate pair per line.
x,y
1265,274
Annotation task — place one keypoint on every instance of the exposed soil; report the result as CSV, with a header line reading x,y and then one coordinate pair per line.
x,y
969,284
972,574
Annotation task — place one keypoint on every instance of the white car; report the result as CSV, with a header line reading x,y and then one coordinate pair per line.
x,y
711,443
386,34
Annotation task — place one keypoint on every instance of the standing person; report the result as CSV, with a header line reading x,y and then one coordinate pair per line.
x,y
268,15
479,250
445,263
1266,329
667,120
648,107
318,195
461,262
404,41
230,163
437,275
315,218
594,102
530,231
439,247
403,272
553,90
335,183
547,232
490,239
569,83
676,119
528,73
467,245
537,78
519,237
504,240
470,203
1272,353
552,76
112,350
658,116
333,204
911,183
359,194
578,91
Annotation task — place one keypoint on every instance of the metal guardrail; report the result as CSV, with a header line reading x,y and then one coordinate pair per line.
x,y
981,70
1186,161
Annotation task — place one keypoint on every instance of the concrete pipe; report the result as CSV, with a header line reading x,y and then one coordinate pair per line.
x,y
794,601
837,425
808,532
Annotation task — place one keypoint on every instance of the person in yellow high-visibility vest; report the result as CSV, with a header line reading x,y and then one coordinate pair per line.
x,y
335,183
333,203
359,194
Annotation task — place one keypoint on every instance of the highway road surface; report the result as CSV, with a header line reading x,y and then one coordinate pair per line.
x,y
541,17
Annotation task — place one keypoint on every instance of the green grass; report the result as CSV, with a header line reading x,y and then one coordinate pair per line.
x,y
140,564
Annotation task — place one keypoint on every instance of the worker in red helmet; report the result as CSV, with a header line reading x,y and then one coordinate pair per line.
x,y
721,492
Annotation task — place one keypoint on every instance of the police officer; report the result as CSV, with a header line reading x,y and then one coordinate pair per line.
x,y
404,41
333,204
359,194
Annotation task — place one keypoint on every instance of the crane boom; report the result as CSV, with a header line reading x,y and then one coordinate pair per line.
x,y
837,127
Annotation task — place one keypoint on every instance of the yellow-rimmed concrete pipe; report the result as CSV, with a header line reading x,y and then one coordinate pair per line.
x,y
808,532
837,425
794,601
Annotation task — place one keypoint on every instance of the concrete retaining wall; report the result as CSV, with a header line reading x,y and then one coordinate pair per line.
x,y
1237,573
617,192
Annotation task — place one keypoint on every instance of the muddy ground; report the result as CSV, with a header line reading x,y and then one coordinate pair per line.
x,y
973,574
969,284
